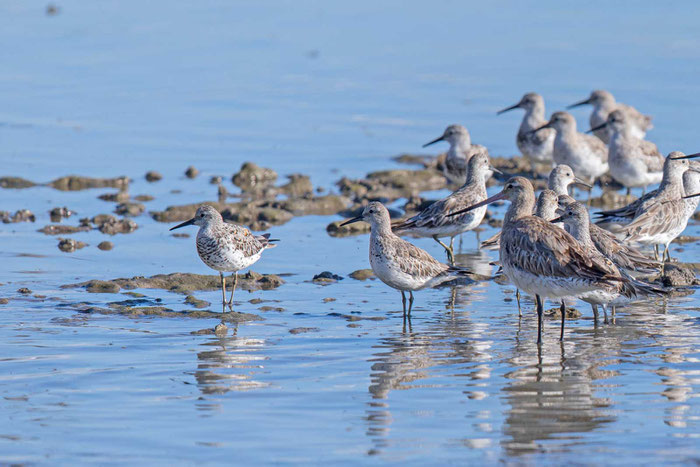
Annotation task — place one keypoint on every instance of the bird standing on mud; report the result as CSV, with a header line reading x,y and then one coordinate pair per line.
x,y
225,247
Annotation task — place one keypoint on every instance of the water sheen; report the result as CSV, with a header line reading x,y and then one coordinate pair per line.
x,y
328,89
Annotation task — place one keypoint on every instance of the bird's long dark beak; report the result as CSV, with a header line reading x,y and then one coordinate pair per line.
x,y
436,140
599,127
184,224
580,182
546,125
691,196
579,104
557,220
512,107
691,156
490,200
352,221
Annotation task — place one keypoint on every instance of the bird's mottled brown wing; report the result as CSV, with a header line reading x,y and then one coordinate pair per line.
x,y
244,240
416,261
652,157
630,210
436,215
642,121
538,247
657,218
541,136
623,255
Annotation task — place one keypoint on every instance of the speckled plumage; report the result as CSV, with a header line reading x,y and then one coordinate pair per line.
x,y
585,154
623,255
633,162
225,247
434,220
398,263
536,146
664,216
575,217
603,103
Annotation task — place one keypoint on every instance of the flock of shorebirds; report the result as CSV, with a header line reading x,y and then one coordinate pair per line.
x,y
549,248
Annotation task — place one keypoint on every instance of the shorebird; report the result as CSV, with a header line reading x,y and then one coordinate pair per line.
x,y
433,221
398,263
538,146
226,247
541,259
663,217
623,255
561,177
461,150
633,162
620,291
603,103
615,220
545,208
585,154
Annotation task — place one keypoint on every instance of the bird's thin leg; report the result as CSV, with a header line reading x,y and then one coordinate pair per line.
x,y
605,313
403,301
629,191
595,314
612,314
656,253
410,302
644,190
517,298
540,317
563,318
223,287
667,253
233,289
452,245
448,249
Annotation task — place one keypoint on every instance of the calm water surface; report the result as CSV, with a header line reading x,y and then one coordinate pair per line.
x,y
119,88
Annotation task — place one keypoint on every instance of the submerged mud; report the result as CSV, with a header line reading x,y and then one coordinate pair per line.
x,y
183,283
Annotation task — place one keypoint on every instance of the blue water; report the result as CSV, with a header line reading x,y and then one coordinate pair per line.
x,y
119,88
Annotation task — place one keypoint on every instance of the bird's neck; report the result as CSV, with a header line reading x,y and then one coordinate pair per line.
x,y
523,206
534,116
581,232
559,187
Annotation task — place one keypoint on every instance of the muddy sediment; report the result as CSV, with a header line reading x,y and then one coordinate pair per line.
x,y
362,274
15,183
136,311
76,183
70,245
22,215
183,283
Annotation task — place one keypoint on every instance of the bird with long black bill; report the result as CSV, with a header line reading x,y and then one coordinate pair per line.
x,y
226,247
398,263
540,258
461,150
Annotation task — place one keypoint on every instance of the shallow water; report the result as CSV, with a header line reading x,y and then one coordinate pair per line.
x,y
107,89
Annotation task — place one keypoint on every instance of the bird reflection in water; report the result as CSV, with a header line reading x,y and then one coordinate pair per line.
x,y
407,360
229,363
551,396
